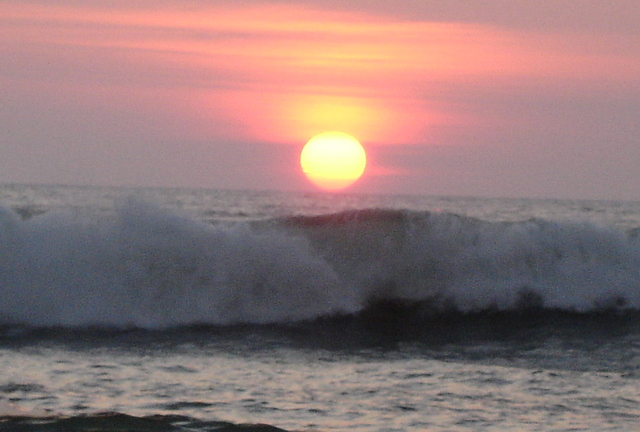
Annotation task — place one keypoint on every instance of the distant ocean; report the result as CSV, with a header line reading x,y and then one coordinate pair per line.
x,y
205,310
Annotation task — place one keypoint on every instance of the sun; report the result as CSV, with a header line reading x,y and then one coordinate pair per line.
x,y
333,160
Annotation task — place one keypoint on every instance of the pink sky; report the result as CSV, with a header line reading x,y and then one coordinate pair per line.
x,y
503,98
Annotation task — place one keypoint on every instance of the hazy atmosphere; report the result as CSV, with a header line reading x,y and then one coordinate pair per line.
x,y
502,98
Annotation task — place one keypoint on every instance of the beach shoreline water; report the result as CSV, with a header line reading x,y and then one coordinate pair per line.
x,y
201,309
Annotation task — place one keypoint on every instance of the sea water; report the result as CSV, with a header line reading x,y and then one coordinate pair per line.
x,y
202,310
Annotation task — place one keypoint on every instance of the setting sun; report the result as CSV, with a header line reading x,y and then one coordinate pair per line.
x,y
333,160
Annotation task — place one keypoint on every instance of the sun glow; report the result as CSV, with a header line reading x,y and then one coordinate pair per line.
x,y
333,160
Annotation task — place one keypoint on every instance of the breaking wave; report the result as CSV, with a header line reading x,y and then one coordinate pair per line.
x,y
148,267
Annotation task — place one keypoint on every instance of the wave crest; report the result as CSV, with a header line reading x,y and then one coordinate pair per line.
x,y
149,267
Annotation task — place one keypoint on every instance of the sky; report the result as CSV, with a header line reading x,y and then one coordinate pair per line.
x,y
508,98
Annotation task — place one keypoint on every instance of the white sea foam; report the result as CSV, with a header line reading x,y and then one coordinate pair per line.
x,y
146,266
473,265
149,267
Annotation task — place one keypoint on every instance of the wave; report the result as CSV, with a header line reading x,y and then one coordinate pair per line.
x,y
145,266
110,421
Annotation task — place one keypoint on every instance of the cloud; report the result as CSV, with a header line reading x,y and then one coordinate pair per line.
x,y
418,75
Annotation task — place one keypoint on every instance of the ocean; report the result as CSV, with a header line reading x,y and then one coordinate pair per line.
x,y
125,309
